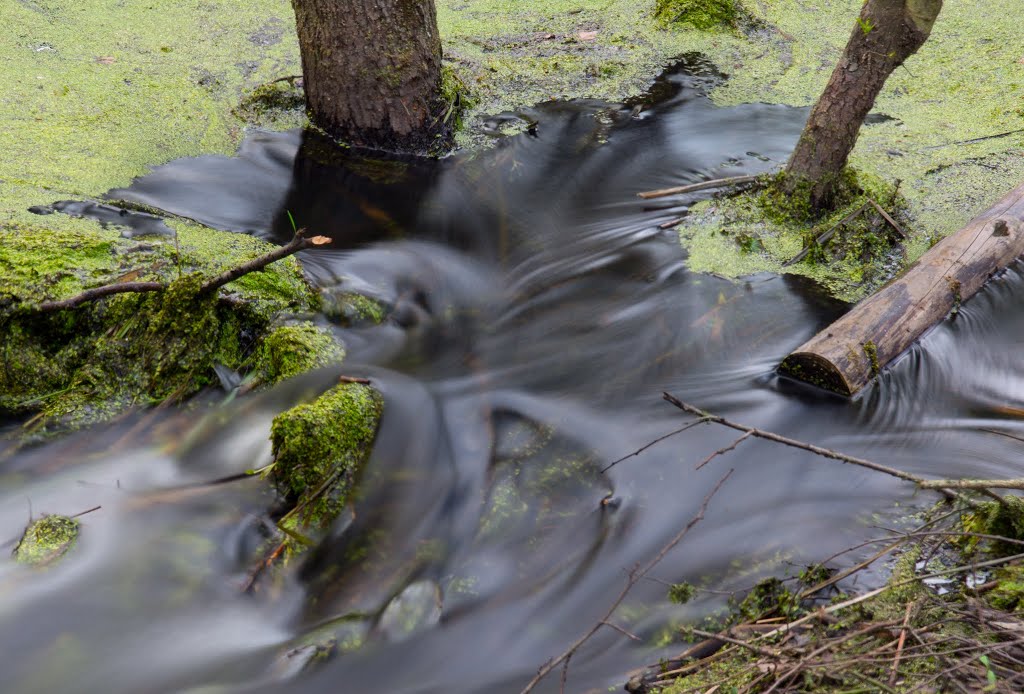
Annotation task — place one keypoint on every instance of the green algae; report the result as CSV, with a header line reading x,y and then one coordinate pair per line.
x,y
320,448
289,350
97,92
47,540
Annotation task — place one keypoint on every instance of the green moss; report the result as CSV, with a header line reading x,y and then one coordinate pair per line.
x,y
47,540
456,95
89,363
702,14
851,252
1000,519
293,349
353,309
320,448
871,352
1009,591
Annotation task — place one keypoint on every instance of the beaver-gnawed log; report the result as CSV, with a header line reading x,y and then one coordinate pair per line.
x,y
849,353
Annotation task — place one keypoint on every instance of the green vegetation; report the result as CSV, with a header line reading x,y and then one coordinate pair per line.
x,y
353,309
701,14
278,105
87,364
897,638
293,349
319,450
46,540
851,251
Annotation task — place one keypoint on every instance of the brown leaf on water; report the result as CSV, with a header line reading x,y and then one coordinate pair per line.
x,y
587,35
320,240
106,59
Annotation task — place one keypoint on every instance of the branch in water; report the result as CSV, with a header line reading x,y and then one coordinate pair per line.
x,y
939,485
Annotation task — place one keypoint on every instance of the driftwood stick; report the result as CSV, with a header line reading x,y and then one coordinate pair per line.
x,y
694,187
635,575
1017,483
888,218
827,453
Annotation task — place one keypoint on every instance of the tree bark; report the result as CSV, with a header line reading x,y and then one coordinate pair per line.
x,y
372,72
887,33
849,353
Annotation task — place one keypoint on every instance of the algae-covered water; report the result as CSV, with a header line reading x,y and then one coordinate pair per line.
x,y
534,312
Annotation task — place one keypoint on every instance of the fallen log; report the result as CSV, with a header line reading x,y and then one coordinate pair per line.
x,y
849,353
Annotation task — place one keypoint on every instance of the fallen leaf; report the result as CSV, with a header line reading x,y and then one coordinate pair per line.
x,y
106,59
587,35
320,240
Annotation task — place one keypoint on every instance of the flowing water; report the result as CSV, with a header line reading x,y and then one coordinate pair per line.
x,y
536,313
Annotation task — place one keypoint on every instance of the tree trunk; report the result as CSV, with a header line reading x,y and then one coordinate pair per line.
x,y
887,33
372,72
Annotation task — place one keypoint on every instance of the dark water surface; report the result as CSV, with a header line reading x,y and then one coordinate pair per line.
x,y
536,314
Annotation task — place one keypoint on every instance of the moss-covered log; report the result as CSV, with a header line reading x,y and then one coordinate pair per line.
x,y
849,353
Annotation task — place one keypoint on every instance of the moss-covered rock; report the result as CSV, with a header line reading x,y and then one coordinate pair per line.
x,y
289,350
46,540
88,363
320,448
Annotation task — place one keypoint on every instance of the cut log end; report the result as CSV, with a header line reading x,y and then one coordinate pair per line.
x,y
816,370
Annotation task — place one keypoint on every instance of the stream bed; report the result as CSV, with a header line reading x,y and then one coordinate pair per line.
x,y
536,312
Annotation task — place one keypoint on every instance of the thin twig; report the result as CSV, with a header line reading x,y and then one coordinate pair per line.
x,y
724,450
643,448
1017,483
98,293
899,646
886,217
976,139
766,652
817,450
635,575
825,236
299,242
624,632
693,187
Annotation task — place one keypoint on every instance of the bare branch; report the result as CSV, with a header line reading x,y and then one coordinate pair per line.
x,y
827,453
693,187
98,293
